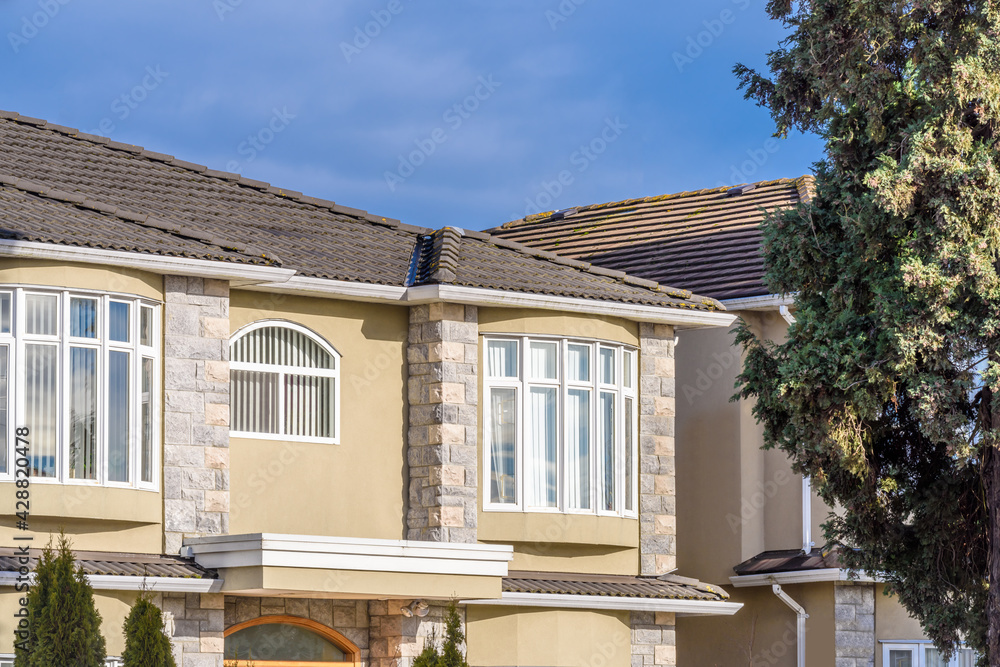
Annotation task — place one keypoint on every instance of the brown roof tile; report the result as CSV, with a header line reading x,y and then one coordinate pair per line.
x,y
706,241
666,587
120,564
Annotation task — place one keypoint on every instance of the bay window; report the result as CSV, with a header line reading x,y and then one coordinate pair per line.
x,y
560,422
924,654
78,369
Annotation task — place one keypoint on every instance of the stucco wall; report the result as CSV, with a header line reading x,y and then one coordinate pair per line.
x,y
892,622
356,488
764,630
501,636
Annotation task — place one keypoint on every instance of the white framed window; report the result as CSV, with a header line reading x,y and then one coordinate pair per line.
x,y
285,384
560,426
922,653
80,369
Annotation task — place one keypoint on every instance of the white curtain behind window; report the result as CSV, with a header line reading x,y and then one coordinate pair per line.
x,y
543,361
578,448
503,417
542,446
41,406
82,413
502,358
608,451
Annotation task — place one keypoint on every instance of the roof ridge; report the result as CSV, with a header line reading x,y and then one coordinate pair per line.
x,y
170,160
593,269
126,215
800,182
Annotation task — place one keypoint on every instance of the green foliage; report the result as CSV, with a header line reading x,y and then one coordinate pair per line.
x,y
884,389
450,654
146,645
65,628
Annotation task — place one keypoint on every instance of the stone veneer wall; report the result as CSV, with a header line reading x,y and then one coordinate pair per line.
x,y
854,618
198,626
443,359
657,492
196,410
654,642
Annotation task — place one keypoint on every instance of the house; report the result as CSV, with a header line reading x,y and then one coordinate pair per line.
x,y
306,428
742,514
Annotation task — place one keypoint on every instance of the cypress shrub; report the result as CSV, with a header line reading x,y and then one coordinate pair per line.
x,y
64,626
145,643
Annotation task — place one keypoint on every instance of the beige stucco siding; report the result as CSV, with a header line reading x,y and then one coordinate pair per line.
x,y
81,276
892,622
352,489
508,637
764,629
551,542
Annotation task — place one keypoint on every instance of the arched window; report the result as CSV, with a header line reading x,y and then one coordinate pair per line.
x,y
286,641
285,384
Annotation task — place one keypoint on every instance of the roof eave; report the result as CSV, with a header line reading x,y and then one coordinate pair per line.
x,y
801,577
474,296
562,601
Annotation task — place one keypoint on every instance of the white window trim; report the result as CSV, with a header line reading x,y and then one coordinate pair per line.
x,y
916,648
16,340
293,370
596,386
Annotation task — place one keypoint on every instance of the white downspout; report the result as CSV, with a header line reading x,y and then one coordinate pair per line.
x,y
807,540
800,624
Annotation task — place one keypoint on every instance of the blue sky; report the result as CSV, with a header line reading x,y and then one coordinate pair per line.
x,y
466,113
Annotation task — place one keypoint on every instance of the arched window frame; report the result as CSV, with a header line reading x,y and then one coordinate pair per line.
x,y
351,652
293,370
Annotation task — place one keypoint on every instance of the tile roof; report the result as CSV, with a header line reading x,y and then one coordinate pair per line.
x,y
706,241
792,560
665,587
119,564
100,193
475,259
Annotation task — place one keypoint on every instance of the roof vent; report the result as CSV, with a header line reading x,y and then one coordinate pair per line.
x,y
741,189
565,213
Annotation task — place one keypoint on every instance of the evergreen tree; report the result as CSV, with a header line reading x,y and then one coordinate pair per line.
x,y
64,625
887,389
146,645
450,654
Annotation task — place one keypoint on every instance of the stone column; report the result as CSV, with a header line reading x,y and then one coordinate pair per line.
x,y
854,619
395,640
199,625
657,494
654,642
443,359
196,410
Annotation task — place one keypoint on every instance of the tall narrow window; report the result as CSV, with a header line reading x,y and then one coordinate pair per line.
x,y
119,390
41,410
83,413
285,382
559,425
4,423
146,418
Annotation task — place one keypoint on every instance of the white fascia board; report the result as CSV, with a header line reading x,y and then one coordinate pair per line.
x,y
108,582
474,296
340,289
557,601
237,274
801,577
330,553
766,302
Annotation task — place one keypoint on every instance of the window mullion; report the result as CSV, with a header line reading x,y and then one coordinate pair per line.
x,y
62,448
